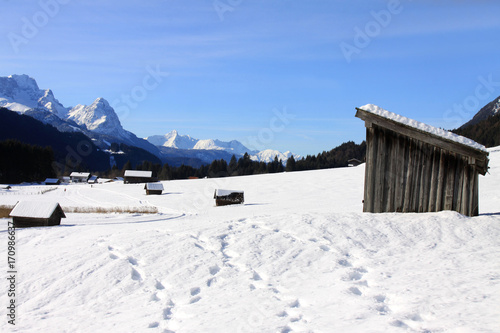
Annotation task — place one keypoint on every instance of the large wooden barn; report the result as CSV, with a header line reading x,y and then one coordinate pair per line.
x,y
36,214
414,167
137,176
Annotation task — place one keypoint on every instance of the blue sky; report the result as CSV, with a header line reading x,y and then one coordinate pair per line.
x,y
279,74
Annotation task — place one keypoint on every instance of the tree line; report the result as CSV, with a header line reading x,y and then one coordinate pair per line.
x,y
22,162
337,157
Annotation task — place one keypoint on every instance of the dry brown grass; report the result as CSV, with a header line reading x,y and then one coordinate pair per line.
x,y
5,210
108,210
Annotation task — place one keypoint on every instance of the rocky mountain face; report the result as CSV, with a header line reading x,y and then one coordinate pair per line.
x,y
486,112
484,127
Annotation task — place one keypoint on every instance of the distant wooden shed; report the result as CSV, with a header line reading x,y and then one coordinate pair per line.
x,y
353,162
153,188
93,179
228,197
36,214
414,167
138,176
79,177
52,181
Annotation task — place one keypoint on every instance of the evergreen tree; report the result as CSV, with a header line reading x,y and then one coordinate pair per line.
x,y
290,164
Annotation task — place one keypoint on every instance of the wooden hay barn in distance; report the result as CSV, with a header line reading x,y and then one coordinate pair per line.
x,y
228,197
137,176
153,188
36,214
414,167
79,177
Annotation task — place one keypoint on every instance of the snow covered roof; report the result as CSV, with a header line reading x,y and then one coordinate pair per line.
x,y
80,174
154,186
221,193
138,173
374,109
51,180
35,209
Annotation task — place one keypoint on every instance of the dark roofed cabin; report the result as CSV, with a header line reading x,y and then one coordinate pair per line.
x,y
153,188
414,167
36,214
137,176
228,197
353,162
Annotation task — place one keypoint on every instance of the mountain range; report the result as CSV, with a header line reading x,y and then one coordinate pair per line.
x,y
174,140
100,123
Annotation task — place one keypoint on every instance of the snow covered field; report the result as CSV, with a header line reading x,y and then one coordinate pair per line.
x,y
298,256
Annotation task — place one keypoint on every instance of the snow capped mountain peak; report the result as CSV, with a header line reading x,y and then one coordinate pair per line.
x,y
173,140
268,155
21,93
98,117
25,82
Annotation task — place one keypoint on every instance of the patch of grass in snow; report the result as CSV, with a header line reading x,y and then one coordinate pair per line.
x,y
5,210
108,210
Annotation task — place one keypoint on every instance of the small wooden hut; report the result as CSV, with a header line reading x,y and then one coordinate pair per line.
x,y
36,214
93,179
228,197
52,181
79,177
137,176
353,162
414,167
153,188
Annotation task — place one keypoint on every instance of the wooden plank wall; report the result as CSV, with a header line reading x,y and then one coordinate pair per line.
x,y
407,175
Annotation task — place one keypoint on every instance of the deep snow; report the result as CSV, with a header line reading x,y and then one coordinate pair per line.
x,y
298,256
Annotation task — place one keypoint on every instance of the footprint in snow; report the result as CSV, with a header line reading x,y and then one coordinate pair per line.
x,y
324,248
355,291
294,304
195,299
195,291
344,262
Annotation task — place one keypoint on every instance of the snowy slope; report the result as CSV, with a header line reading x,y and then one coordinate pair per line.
x,y
298,256
21,93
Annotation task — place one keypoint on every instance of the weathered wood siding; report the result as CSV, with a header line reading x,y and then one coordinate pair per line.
x,y
153,192
231,199
26,222
404,174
